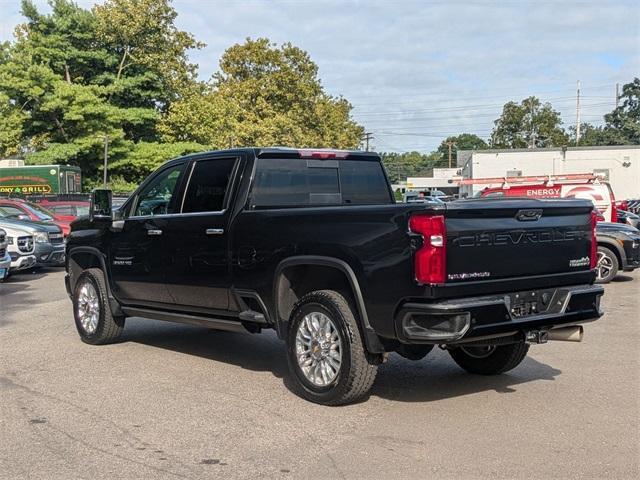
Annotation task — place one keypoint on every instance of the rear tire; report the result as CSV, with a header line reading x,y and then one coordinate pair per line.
x,y
607,267
491,360
325,351
95,323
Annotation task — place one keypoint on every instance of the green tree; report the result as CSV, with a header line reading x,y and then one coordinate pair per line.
x,y
464,141
149,48
263,95
399,166
66,82
530,123
624,121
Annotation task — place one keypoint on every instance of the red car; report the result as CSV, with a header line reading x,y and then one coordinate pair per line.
x,y
14,208
67,208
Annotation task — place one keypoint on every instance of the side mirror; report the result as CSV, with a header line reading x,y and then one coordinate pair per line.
x,y
101,205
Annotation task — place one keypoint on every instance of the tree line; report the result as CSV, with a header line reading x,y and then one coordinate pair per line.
x,y
118,74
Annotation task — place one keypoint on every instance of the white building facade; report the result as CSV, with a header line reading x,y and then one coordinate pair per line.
x,y
620,165
441,180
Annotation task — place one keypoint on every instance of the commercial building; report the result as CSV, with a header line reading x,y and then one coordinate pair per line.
x,y
441,180
619,165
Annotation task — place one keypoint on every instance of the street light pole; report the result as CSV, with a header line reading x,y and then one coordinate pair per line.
x,y
106,157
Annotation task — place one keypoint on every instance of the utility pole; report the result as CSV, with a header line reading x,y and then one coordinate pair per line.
x,y
106,157
617,94
450,144
533,135
578,114
368,136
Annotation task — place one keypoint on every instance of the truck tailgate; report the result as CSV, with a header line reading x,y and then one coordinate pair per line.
x,y
491,239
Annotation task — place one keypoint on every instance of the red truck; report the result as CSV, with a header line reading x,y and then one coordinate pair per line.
x,y
585,186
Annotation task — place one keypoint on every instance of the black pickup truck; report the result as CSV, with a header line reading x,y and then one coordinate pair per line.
x,y
312,244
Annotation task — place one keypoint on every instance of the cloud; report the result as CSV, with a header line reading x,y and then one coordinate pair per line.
x,y
432,67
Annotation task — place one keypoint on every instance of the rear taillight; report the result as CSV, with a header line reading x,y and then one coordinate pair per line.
x,y
593,254
431,258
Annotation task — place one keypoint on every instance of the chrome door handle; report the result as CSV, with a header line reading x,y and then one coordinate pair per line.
x,y
214,231
154,232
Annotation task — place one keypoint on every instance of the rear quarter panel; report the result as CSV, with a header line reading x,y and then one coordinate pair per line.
x,y
373,240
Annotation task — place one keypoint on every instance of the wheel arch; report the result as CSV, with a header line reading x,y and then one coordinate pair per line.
x,y
83,258
615,248
299,275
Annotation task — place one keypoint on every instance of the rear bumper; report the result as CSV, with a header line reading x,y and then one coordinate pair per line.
x,y
464,319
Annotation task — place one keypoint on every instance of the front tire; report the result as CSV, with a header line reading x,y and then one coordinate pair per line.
x,y
607,267
95,323
325,350
490,360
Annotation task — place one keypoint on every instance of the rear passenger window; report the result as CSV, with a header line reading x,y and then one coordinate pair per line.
x,y
208,185
300,182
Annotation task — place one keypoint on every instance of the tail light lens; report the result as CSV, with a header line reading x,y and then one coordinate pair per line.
x,y
593,254
431,258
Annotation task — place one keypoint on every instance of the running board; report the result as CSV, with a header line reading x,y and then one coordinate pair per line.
x,y
215,323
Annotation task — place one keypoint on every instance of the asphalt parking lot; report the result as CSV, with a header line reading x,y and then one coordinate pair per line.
x,y
175,401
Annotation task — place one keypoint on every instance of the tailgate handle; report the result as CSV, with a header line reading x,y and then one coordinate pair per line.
x,y
530,215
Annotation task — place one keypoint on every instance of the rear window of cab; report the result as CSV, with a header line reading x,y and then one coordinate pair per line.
x,y
304,182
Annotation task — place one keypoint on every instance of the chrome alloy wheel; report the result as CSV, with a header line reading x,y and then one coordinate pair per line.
x,y
88,307
479,352
318,349
604,266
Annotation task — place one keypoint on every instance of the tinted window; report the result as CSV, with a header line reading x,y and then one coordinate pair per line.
x,y
301,182
208,185
295,183
155,198
363,182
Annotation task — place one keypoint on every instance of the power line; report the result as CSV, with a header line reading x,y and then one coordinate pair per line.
x,y
411,97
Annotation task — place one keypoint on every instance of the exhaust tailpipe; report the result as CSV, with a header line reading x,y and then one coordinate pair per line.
x,y
567,334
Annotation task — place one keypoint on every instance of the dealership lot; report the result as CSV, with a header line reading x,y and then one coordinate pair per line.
x,y
174,401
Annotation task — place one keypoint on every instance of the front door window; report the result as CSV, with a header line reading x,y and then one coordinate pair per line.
x,y
156,198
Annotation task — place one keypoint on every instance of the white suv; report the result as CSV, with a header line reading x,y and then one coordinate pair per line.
x,y
20,247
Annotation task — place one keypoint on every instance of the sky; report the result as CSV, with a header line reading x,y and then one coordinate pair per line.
x,y
419,71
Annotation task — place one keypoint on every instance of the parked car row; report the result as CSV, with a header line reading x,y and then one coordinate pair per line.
x,y
633,206
33,236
